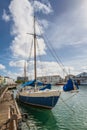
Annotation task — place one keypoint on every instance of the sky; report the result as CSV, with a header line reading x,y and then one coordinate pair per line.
x,y
61,28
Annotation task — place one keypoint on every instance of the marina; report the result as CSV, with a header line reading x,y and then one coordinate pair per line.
x,y
43,65
69,113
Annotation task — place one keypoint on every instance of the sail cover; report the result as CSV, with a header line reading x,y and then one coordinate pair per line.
x,y
71,85
48,86
32,83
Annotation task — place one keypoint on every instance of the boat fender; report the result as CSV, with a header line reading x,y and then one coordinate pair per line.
x,y
24,117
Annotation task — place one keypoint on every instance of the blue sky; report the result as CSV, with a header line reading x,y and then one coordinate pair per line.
x,y
63,23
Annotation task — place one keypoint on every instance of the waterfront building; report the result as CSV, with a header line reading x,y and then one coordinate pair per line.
x,y
1,79
8,81
50,79
22,78
82,78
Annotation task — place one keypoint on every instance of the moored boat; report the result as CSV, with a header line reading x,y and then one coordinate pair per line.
x,y
43,97
71,85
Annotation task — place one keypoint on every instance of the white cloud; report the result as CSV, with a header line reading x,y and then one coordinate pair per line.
x,y
44,23
2,67
17,63
13,75
43,68
22,16
70,27
84,68
5,16
45,8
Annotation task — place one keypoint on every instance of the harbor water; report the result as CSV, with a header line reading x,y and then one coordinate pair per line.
x,y
70,113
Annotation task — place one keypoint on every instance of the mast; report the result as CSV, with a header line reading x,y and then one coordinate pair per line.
x,y
34,36
35,73
25,71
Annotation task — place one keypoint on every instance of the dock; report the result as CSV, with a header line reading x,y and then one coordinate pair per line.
x,y
10,116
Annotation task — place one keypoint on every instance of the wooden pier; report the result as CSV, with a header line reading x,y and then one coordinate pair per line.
x,y
10,115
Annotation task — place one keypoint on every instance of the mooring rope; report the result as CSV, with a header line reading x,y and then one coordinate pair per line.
x,y
67,105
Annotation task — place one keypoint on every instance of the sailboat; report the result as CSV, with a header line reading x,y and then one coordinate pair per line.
x,y
32,95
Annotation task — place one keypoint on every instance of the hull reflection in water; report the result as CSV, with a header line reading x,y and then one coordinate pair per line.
x,y
40,119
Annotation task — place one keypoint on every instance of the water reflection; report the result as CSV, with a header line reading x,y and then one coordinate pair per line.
x,y
42,119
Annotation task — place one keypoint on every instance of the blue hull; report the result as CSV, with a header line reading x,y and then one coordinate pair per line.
x,y
44,102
